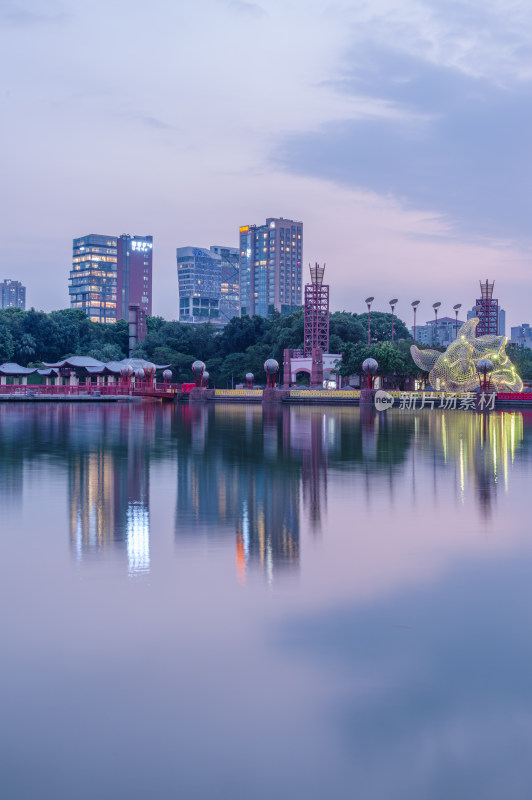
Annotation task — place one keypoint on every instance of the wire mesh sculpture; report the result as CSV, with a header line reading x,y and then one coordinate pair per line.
x,y
456,368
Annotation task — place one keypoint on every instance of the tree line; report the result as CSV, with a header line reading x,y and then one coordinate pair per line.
x,y
33,337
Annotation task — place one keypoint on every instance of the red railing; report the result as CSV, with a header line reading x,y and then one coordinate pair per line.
x,y
120,389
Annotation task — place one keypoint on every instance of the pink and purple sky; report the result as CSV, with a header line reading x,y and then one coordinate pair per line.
x,y
399,134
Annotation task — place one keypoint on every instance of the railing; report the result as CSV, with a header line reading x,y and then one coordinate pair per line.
x,y
321,394
238,392
111,390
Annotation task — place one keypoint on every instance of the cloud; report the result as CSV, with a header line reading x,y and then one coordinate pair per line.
x,y
460,143
17,16
244,7
153,122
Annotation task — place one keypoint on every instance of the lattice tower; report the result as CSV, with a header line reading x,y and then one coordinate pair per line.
x,y
316,312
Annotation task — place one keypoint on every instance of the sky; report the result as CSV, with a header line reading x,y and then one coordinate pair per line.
x,y
399,133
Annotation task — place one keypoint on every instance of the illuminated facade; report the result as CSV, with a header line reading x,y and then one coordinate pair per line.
x,y
93,276
270,267
455,370
12,294
134,274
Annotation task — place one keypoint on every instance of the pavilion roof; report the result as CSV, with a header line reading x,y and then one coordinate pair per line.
x,y
95,367
15,369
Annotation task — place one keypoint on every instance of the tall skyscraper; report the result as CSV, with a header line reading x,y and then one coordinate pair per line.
x,y
134,274
230,282
270,267
12,294
199,275
93,276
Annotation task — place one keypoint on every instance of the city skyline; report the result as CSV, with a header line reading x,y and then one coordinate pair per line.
x,y
400,141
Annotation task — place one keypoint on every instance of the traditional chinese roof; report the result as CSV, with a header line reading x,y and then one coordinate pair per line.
x,y
15,369
78,361
95,367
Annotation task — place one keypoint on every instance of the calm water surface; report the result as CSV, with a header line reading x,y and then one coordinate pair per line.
x,y
227,602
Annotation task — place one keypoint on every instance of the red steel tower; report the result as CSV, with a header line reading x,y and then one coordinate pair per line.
x,y
487,310
316,312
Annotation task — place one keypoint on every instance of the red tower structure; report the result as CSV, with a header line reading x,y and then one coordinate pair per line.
x,y
487,310
316,334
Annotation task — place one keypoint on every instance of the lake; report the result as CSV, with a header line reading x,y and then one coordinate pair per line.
x,y
231,602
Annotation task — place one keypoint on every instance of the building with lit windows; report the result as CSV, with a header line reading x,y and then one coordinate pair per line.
x,y
93,276
199,275
134,274
271,256
12,294
230,282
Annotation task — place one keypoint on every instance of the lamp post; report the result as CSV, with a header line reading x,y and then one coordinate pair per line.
x,y
369,301
393,303
436,306
414,306
456,308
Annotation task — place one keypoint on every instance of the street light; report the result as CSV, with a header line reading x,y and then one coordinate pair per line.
x,y
369,301
456,307
436,306
414,306
393,303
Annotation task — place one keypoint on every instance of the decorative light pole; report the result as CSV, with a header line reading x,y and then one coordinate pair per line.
x,y
414,306
436,306
198,368
484,369
393,303
271,367
369,301
456,308
249,380
369,368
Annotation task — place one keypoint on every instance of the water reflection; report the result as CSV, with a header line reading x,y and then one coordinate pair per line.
x,y
247,474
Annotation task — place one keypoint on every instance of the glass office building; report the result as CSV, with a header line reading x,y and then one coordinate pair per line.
x,y
199,276
271,256
93,276
230,282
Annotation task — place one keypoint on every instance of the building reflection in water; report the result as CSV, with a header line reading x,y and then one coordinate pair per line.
x,y
479,448
234,473
109,485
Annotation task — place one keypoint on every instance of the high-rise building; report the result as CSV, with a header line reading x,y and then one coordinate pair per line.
x,y
12,294
446,331
199,275
270,267
134,274
93,276
522,334
230,282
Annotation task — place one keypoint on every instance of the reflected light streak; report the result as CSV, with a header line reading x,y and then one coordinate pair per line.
x,y
138,539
